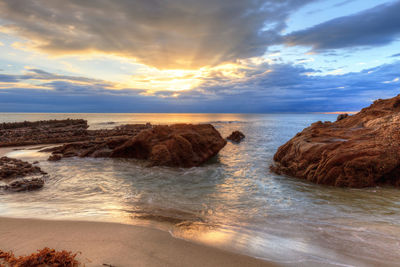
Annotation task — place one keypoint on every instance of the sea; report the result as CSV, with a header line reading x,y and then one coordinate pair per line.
x,y
233,202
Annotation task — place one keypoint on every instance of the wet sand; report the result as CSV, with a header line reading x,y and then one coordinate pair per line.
x,y
113,244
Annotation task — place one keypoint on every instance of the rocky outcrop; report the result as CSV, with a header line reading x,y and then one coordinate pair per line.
x,y
60,131
18,175
24,184
342,116
236,137
42,132
179,145
362,150
14,168
97,149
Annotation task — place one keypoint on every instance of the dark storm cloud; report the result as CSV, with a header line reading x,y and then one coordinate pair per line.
x,y
165,34
374,27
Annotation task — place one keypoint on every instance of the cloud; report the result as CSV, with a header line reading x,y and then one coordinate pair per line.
x,y
266,88
165,34
374,27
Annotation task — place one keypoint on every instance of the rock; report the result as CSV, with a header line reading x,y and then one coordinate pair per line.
x,y
96,149
25,185
60,131
362,150
179,145
342,116
55,157
20,175
14,168
42,132
236,136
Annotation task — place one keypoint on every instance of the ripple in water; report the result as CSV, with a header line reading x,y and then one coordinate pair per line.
x,y
233,202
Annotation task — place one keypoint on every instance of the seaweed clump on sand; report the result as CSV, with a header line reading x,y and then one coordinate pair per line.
x,y
44,257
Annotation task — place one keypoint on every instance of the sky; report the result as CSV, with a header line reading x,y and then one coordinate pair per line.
x,y
208,56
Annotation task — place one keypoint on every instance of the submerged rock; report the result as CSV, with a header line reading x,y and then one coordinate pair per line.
x,y
13,168
362,150
25,184
19,175
236,136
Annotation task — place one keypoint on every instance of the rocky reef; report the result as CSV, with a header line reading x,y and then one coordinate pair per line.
x,y
179,145
59,131
362,150
42,132
18,175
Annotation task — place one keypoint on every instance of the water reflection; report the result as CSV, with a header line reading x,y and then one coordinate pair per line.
x,y
232,202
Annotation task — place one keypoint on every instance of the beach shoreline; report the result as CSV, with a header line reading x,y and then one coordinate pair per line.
x,y
114,244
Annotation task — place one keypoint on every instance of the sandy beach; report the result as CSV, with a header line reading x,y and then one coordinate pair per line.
x,y
113,244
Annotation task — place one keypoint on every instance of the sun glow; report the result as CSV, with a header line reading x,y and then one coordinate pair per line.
x,y
153,79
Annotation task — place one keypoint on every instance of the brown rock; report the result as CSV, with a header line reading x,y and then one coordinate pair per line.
x,y
42,132
55,157
25,185
20,175
14,168
342,116
60,131
362,150
236,136
179,145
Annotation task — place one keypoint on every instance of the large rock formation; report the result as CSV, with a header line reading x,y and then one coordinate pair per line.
x,y
362,150
18,175
179,145
183,145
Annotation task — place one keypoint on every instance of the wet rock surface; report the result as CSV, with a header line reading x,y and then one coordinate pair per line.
x,y
13,168
179,145
18,175
236,137
24,185
362,150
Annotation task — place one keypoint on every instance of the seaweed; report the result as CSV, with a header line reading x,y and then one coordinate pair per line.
x,y
44,257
